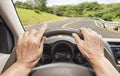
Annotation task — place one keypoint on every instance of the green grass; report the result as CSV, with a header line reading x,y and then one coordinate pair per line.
x,y
116,20
30,17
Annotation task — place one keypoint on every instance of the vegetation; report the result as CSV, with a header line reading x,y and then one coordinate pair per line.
x,y
110,12
41,5
30,17
23,5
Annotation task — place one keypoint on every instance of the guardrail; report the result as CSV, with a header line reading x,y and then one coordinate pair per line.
x,y
108,24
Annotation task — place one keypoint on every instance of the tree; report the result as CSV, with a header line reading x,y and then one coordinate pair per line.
x,y
107,17
24,5
54,10
18,4
30,2
41,5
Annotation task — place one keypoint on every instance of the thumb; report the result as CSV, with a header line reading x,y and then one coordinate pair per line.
x,y
77,39
79,42
41,46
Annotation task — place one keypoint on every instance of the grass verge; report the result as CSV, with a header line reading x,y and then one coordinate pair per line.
x,y
31,17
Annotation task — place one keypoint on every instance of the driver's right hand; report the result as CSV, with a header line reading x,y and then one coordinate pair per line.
x,y
92,47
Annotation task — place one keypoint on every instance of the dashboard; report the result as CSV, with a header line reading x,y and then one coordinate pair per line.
x,y
114,44
62,50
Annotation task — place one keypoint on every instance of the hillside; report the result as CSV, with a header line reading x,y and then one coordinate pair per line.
x,y
31,17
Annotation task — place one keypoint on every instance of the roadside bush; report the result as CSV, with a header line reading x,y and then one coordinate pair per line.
x,y
37,11
107,17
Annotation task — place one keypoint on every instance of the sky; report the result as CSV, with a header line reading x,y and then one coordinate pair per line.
x,y
64,2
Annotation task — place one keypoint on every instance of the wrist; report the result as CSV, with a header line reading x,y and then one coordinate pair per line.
x,y
17,69
26,63
98,61
103,67
23,66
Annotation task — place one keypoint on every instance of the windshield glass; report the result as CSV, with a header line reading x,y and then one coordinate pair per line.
x,y
103,16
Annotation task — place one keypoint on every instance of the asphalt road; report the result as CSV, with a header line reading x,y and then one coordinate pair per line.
x,y
78,23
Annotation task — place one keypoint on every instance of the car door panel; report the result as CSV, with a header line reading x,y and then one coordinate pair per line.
x,y
12,22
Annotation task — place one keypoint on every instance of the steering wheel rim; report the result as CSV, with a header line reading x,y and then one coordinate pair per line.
x,y
62,31
48,33
62,69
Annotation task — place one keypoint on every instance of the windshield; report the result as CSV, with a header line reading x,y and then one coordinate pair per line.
x,y
103,16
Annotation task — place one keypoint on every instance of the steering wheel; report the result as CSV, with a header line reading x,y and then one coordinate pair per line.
x,y
57,69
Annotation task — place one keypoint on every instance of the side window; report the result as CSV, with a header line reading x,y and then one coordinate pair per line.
x,y
6,38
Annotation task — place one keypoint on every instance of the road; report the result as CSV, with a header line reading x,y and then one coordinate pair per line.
x,y
78,23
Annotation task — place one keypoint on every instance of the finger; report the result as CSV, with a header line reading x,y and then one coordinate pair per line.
x,y
32,32
42,41
94,32
21,37
84,32
42,45
79,43
90,30
18,47
25,34
77,39
40,49
19,41
100,36
41,31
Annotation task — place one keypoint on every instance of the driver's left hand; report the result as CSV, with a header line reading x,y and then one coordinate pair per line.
x,y
30,46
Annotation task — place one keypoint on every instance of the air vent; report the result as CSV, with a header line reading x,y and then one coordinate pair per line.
x,y
115,46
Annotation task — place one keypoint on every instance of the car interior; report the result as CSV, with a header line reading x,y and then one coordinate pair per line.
x,y
61,56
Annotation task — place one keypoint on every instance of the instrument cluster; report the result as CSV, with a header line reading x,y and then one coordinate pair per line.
x,y
62,51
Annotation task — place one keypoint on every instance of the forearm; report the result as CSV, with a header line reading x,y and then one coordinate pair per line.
x,y
17,69
103,67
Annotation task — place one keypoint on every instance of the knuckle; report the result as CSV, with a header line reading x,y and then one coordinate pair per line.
x,y
33,30
100,36
26,32
78,42
82,29
35,42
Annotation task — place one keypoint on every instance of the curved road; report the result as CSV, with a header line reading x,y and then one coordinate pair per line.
x,y
78,23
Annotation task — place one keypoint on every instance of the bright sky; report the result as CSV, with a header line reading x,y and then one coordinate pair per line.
x,y
63,2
